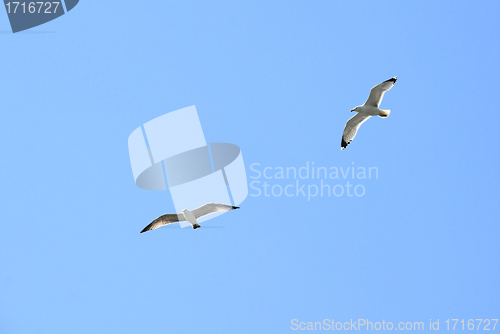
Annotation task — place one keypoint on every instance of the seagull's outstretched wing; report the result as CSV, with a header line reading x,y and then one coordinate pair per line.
x,y
351,128
212,208
166,219
377,92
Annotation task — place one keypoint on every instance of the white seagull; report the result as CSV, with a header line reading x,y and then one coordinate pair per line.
x,y
367,110
190,216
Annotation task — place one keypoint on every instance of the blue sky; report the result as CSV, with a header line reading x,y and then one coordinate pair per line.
x,y
277,79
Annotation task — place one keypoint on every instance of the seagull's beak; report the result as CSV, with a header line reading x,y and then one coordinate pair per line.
x,y
352,110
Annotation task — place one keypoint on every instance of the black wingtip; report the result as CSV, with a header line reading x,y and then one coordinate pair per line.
x,y
146,229
393,80
236,207
343,144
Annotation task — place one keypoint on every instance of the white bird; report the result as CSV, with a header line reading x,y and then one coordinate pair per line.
x,y
367,110
189,216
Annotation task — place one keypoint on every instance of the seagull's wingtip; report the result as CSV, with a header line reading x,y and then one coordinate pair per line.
x,y
393,80
343,144
236,207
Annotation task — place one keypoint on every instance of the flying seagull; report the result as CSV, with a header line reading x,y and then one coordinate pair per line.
x,y
190,216
367,110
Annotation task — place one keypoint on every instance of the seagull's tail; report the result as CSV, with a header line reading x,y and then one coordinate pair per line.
x,y
384,113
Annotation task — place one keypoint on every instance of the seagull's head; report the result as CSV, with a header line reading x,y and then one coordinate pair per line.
x,y
355,109
184,210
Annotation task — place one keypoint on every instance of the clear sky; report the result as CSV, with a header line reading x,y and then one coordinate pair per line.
x,y
278,79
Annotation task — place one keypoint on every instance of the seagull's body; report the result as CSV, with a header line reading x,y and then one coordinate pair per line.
x,y
191,218
187,215
367,110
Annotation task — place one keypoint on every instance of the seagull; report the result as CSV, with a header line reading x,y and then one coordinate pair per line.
x,y
367,110
190,216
